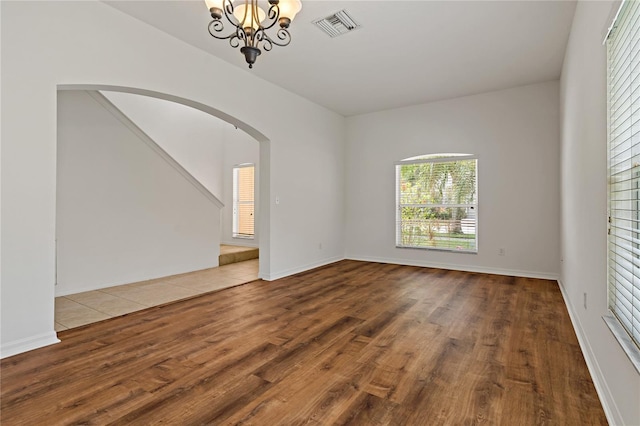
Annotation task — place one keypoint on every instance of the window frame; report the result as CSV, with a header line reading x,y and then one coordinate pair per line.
x,y
436,159
236,203
621,256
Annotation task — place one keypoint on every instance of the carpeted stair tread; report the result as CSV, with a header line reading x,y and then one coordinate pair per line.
x,y
233,254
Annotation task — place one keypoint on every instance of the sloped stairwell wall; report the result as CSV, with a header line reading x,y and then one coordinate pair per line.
x,y
206,146
124,212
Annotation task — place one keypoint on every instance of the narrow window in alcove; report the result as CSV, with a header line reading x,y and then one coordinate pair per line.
x,y
243,201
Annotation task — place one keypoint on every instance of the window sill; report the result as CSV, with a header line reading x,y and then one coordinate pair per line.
x,y
438,249
629,348
244,237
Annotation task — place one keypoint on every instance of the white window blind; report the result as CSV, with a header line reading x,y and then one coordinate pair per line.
x,y
436,203
243,201
624,169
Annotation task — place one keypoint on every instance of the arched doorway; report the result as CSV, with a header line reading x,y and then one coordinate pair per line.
x,y
263,143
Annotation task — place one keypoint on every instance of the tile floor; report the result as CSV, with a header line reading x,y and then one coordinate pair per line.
x,y
79,309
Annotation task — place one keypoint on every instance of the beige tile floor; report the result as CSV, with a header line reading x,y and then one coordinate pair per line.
x,y
79,309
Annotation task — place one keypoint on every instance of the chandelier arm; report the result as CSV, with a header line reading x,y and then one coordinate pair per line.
x,y
234,40
273,14
217,27
267,43
242,36
227,7
283,34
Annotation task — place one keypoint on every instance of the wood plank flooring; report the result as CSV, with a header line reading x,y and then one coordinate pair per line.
x,y
350,343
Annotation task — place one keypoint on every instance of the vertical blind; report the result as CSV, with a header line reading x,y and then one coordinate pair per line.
x,y
624,169
437,204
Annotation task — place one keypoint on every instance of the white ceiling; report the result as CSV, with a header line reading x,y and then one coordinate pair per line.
x,y
406,53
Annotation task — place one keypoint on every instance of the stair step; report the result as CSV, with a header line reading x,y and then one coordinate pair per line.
x,y
237,254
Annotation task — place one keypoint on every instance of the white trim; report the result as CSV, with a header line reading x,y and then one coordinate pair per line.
x,y
102,100
454,267
244,236
451,158
236,203
242,165
622,201
604,393
297,270
443,249
624,340
28,344
451,206
616,7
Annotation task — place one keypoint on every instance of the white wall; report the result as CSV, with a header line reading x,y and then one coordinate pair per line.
x,y
584,211
238,148
123,213
204,145
192,137
513,132
46,44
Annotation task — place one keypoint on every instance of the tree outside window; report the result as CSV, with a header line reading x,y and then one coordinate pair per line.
x,y
437,202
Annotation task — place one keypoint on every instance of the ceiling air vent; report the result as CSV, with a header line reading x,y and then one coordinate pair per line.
x,y
337,24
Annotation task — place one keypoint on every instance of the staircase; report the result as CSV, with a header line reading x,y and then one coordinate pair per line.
x,y
234,254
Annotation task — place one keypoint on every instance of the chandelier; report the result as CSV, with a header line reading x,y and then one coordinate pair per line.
x,y
250,23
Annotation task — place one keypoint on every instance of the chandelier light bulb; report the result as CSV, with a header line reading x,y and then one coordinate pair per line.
x,y
215,8
246,17
211,4
289,8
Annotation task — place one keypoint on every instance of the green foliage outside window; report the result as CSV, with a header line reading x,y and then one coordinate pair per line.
x,y
437,204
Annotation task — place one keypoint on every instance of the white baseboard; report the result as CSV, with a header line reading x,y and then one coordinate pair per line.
x,y
466,268
292,271
28,344
606,399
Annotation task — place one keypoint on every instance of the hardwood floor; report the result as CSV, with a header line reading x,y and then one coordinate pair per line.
x,y
351,343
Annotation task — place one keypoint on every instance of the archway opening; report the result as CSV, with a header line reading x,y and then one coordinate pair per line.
x,y
233,125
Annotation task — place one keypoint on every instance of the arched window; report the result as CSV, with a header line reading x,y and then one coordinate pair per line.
x,y
437,202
